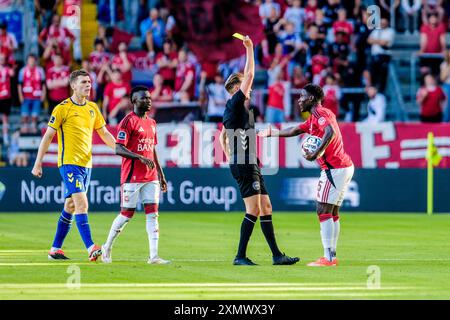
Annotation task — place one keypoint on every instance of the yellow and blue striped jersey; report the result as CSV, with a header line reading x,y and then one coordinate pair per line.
x,y
75,124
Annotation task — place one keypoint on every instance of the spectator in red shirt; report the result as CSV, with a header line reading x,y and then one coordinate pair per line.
x,y
52,48
319,65
98,58
62,35
431,99
432,40
278,59
298,80
8,43
32,92
123,62
99,61
310,11
160,92
342,25
332,94
5,95
57,79
167,61
185,78
275,105
210,70
115,100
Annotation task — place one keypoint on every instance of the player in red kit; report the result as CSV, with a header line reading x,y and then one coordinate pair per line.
x,y
337,167
141,175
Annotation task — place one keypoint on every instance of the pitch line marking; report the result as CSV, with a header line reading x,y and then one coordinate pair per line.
x,y
209,286
303,260
198,296
36,250
38,264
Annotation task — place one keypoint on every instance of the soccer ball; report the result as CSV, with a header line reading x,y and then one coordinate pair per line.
x,y
310,144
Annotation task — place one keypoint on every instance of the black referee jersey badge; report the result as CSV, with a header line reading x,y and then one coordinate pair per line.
x,y
52,119
256,185
92,113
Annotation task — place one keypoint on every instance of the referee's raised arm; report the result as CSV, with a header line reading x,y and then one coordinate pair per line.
x,y
249,70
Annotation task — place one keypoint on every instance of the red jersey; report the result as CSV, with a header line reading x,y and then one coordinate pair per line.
x,y
166,72
71,7
61,92
32,80
5,82
334,156
139,136
166,91
183,70
431,105
331,99
98,59
210,68
115,92
8,43
310,13
61,34
118,63
343,26
433,35
276,96
319,63
142,61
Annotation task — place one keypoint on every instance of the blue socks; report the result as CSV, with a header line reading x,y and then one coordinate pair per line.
x,y
84,229
62,229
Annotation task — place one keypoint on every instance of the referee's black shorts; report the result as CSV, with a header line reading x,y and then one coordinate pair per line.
x,y
249,179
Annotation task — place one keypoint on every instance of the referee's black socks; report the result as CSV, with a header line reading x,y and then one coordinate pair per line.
x,y
267,229
246,231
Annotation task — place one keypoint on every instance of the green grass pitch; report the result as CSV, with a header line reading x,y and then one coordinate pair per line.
x,y
409,250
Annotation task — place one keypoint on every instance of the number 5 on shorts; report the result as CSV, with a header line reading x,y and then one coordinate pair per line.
x,y
319,186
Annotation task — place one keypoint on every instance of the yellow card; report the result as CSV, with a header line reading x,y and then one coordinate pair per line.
x,y
239,36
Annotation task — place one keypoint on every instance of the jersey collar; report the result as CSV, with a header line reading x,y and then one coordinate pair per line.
x,y
81,105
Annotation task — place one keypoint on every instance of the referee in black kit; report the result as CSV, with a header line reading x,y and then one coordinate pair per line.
x,y
238,140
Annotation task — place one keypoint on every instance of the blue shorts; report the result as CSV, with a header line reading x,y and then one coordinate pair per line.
x,y
30,107
274,115
76,179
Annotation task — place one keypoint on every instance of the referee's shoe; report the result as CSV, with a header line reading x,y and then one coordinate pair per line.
x,y
284,260
243,262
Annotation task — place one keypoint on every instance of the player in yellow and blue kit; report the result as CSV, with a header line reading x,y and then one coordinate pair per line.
x,y
74,121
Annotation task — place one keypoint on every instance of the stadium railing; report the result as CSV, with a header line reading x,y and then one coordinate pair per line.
x,y
30,29
177,111
397,101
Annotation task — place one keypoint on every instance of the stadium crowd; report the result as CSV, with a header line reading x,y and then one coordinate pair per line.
x,y
327,42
